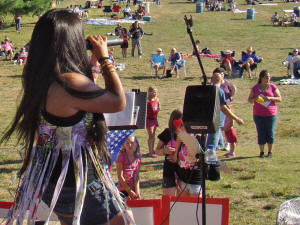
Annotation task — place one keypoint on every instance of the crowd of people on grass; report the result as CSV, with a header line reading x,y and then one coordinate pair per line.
x,y
63,127
285,20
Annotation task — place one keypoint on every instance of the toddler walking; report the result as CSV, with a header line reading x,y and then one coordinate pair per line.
x,y
153,107
128,166
230,135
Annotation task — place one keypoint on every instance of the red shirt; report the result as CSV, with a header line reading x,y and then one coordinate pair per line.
x,y
152,108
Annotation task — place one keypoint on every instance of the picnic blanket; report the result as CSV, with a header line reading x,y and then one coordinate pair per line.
x,y
288,10
268,4
203,55
104,22
239,11
290,81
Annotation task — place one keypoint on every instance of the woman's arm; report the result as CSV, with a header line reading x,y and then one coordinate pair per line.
x,y
173,157
251,98
179,56
113,99
137,183
161,149
228,112
276,98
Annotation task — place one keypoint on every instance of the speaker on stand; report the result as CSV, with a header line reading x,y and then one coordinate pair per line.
x,y
201,112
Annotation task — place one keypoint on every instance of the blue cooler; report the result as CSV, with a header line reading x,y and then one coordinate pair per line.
x,y
147,18
199,7
250,14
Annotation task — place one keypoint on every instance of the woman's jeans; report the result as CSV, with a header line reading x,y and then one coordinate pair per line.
x,y
265,126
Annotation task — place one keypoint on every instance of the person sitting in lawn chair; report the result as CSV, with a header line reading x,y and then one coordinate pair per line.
x,y
158,61
275,18
228,62
176,61
249,61
288,63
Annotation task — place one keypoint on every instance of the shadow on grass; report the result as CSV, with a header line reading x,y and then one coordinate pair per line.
x,y
153,163
268,25
238,19
174,3
8,162
191,78
7,170
14,76
239,158
150,183
275,79
151,167
140,78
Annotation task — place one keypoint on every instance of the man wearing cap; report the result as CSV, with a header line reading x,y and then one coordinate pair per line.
x,y
158,61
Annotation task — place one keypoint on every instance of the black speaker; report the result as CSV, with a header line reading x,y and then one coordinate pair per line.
x,y
201,109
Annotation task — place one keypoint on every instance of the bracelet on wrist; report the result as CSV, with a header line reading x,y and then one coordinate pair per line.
x,y
102,59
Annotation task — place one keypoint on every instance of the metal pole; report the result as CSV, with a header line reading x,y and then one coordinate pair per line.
x,y
203,168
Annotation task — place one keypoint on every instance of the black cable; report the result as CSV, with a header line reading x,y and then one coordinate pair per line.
x,y
198,207
173,205
190,177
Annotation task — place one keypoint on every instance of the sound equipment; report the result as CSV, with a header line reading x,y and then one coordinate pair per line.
x,y
201,109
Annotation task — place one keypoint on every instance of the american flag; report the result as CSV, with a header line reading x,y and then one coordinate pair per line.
x,y
115,139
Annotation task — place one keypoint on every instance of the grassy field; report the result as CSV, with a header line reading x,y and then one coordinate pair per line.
x,y
257,186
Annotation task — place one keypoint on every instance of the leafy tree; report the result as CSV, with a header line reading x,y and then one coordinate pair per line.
x,y
24,7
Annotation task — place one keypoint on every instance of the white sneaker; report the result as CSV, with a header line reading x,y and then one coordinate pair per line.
x,y
227,146
140,56
292,76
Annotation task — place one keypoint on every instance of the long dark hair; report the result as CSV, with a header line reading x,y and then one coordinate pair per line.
x,y
57,46
262,74
175,115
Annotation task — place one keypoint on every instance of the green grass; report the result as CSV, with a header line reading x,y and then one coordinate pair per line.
x,y
256,186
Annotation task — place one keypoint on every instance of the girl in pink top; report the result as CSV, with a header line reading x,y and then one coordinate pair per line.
x,y
124,45
128,166
7,46
264,95
153,108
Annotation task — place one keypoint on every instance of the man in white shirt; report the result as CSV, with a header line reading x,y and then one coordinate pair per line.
x,y
126,11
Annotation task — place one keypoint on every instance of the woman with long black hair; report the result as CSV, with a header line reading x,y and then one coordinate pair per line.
x,y
61,123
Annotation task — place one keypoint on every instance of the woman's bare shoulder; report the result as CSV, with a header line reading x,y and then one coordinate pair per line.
x,y
78,82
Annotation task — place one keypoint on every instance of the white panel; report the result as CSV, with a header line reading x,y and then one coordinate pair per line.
x,y
143,215
185,213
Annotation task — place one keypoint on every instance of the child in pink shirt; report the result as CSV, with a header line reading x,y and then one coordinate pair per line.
x,y
153,107
128,166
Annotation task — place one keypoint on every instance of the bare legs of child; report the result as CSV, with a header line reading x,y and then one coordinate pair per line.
x,y
151,138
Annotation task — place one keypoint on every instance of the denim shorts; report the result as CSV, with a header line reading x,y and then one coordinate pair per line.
x,y
169,174
94,208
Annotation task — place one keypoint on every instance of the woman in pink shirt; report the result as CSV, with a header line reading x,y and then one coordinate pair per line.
x,y
7,46
264,95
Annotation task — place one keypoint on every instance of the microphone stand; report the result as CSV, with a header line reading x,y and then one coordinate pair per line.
x,y
189,23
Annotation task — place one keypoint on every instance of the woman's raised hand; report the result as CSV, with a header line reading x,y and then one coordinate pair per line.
x,y
99,46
